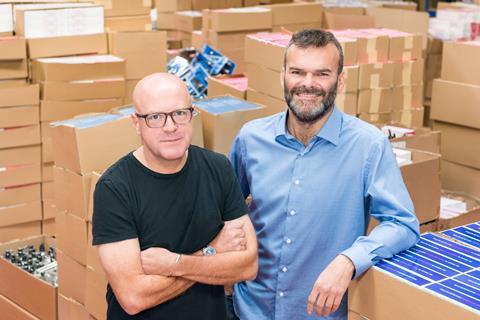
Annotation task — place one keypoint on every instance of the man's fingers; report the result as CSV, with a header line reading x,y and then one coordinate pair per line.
x,y
312,299
328,305
320,303
336,303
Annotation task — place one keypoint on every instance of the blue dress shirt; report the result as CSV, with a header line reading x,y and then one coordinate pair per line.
x,y
311,203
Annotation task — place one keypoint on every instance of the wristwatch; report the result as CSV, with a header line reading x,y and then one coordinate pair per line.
x,y
209,251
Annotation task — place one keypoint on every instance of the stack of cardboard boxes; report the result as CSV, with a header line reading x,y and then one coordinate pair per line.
x,y
144,52
127,15
165,12
84,146
187,22
20,150
296,16
234,85
455,101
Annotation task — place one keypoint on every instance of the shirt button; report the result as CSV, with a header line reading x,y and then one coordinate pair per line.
x,y
297,182
281,294
293,212
284,269
288,240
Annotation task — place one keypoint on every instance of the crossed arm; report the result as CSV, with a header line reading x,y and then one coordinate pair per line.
x,y
141,280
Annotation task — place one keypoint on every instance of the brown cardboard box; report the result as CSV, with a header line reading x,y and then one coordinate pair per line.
x,y
454,68
219,129
60,110
22,95
355,316
431,226
296,13
377,294
15,195
371,49
466,97
172,5
72,277
460,144
240,19
263,53
83,90
71,309
128,23
460,178
166,21
96,303
74,189
13,48
95,148
72,236
20,213
67,46
29,292
407,97
11,310
144,52
346,10
406,73
49,208
347,21
90,67
114,8
198,39
405,48
235,86
347,102
188,21
13,69
375,100
471,215
409,117
422,179
47,144
48,227
129,88
272,105
226,41
351,79
18,137
296,27
375,117
19,116
20,231
265,81
424,139
47,172
433,68
375,75
20,166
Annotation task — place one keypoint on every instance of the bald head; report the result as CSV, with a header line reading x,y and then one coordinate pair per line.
x,y
162,89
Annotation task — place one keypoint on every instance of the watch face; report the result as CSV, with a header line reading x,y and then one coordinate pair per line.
x,y
209,251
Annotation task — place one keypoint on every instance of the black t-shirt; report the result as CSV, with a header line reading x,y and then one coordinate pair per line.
x,y
181,212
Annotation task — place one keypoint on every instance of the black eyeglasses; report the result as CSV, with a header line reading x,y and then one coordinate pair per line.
x,y
159,119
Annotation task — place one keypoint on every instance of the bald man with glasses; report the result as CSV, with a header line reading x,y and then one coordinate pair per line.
x,y
169,219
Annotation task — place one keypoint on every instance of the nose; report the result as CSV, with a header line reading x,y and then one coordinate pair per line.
x,y
170,125
308,80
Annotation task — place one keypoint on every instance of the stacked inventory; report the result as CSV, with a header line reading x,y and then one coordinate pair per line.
x,y
144,53
165,11
20,150
234,85
457,209
187,22
225,30
83,146
296,16
127,15
455,101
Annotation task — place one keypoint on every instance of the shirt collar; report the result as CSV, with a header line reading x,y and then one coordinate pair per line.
x,y
330,130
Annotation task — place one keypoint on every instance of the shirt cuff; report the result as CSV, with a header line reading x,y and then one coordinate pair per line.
x,y
360,260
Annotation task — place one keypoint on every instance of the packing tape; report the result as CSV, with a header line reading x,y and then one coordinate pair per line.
x,y
375,80
406,56
107,5
372,56
375,100
378,65
407,70
409,42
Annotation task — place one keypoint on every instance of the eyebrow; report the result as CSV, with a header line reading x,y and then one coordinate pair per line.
x,y
316,71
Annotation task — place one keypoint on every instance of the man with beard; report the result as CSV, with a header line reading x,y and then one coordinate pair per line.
x,y
315,176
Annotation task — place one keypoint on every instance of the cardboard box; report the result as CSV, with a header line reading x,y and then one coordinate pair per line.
x,y
11,310
405,47
14,195
71,309
144,52
375,75
454,68
89,67
19,116
296,13
40,298
49,208
6,19
460,144
114,8
266,49
265,81
48,227
471,214
237,19
20,231
47,172
18,137
20,213
235,86
188,21
13,69
12,83
72,191
423,139
13,48
166,21
60,110
72,277
375,117
21,95
48,21
83,90
198,39
67,45
347,21
460,178
17,170
433,68
226,41
47,144
375,100
347,102
72,236
431,226
408,97
351,79
447,94
128,23
409,117
406,73
93,143
96,303
272,105
222,119
296,27
371,48
129,88
172,5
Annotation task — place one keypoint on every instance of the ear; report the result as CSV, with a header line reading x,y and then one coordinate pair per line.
x,y
341,81
136,123
282,77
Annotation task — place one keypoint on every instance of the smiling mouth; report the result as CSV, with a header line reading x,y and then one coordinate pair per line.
x,y
308,96
170,140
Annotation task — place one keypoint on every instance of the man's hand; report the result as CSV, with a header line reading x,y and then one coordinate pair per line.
x,y
330,286
158,261
230,238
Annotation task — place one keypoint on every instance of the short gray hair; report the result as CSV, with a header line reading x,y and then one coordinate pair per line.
x,y
315,38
